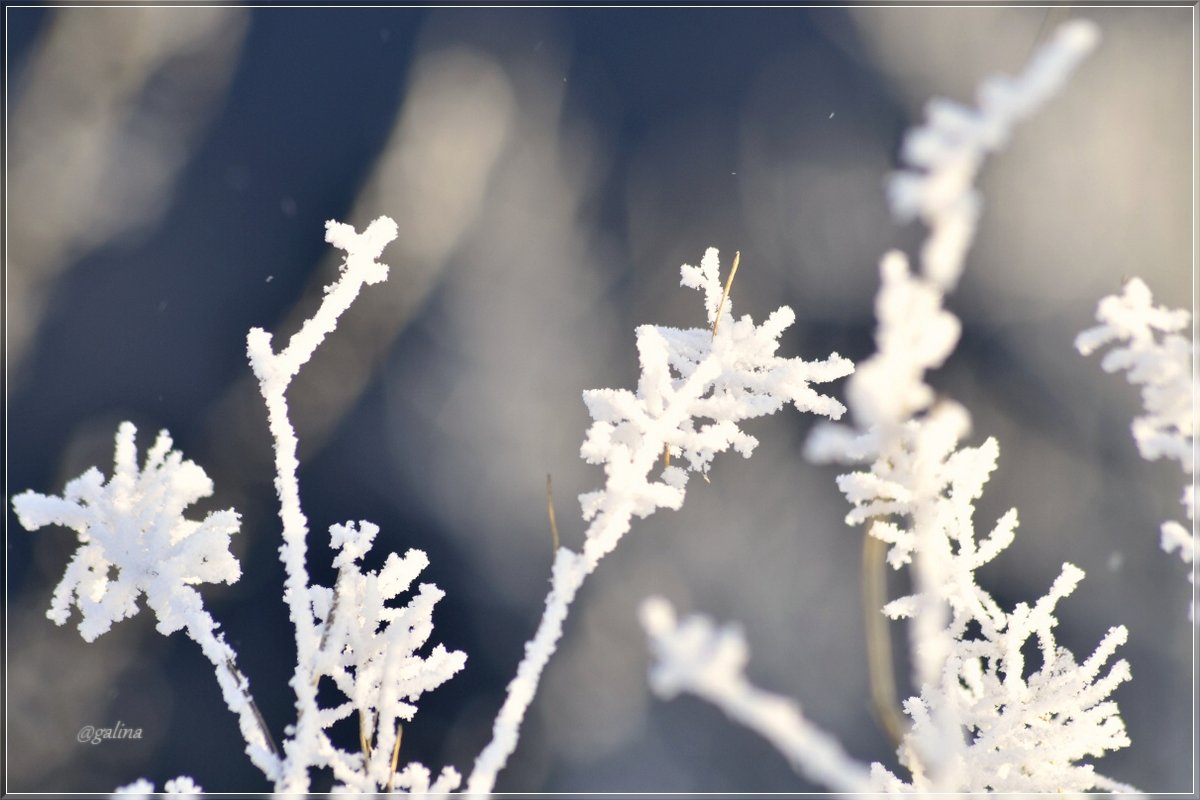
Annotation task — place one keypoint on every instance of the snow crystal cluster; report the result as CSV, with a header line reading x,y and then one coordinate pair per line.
x,y
1152,345
984,719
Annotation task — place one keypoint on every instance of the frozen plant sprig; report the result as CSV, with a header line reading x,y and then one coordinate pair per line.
x,y
369,650
135,541
1149,344
982,721
696,387
943,156
275,372
133,525
1014,730
1028,732
695,656
375,664
905,438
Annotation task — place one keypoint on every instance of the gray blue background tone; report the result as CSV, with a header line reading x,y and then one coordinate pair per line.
x,y
169,173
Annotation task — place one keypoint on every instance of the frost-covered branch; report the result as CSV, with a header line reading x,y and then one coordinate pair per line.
x,y
275,372
943,156
1149,343
919,489
1028,732
1016,728
696,387
133,525
369,648
693,656
983,720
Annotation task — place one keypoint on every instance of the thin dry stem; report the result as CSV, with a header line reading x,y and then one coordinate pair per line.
x,y
258,717
328,625
550,512
364,741
737,257
395,755
879,641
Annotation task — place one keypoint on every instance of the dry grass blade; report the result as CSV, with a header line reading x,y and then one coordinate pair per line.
x,y
737,258
395,756
550,512
364,741
879,641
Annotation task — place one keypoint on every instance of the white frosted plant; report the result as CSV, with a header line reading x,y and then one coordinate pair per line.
x,y
369,649
381,654
354,633
135,541
983,719
696,387
1151,345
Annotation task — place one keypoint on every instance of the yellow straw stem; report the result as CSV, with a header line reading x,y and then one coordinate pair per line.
x,y
395,755
879,642
364,741
550,513
737,257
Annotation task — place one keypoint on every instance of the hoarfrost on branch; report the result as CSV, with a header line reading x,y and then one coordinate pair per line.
x,y
696,388
1150,344
983,720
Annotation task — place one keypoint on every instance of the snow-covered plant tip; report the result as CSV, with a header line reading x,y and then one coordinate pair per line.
x,y
984,719
1152,346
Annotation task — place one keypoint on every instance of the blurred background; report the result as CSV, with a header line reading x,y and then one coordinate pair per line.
x,y
169,171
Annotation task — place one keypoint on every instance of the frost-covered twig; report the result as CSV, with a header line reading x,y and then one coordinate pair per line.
x,y
134,525
982,720
369,649
918,477
943,156
1150,345
1010,715
275,372
693,656
696,386
1015,729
